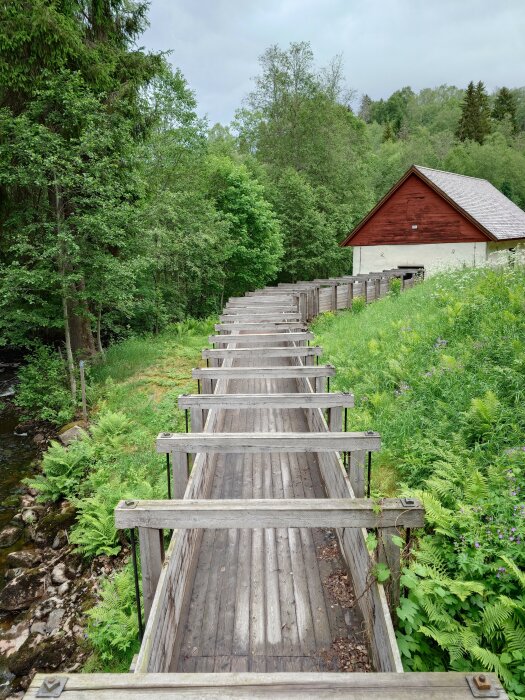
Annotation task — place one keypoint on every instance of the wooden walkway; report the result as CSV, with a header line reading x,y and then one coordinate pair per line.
x,y
259,601
268,529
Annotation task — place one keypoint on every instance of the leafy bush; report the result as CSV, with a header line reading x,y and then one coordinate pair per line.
x,y
43,391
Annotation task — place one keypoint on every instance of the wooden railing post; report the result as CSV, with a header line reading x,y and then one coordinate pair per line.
x,y
151,557
179,462
197,420
356,472
335,419
320,384
390,554
350,297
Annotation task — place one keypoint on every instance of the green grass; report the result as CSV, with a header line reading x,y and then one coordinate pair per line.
x,y
439,371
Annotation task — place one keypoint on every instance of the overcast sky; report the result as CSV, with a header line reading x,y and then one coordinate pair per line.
x,y
386,44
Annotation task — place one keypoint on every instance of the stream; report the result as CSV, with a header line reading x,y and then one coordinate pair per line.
x,y
17,454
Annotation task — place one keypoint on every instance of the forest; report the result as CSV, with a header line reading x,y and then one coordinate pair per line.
x,y
122,211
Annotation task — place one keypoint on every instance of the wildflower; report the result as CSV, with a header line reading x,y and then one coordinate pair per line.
x,y
476,545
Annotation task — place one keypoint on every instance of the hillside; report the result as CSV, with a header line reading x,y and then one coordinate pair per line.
x,y
439,371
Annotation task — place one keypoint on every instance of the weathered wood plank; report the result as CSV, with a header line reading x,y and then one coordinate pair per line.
x,y
260,338
247,353
248,401
352,686
262,372
262,512
256,326
260,317
268,442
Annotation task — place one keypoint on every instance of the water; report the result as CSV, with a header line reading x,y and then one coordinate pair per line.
x,y
17,453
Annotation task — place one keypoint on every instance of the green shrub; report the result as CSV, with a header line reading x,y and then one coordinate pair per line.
x,y
395,286
43,391
358,304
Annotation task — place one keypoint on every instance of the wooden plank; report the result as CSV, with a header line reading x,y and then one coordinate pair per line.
x,y
259,338
352,686
243,353
258,326
248,401
285,372
262,512
258,316
151,557
268,442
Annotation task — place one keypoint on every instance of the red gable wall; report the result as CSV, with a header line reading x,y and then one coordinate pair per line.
x,y
414,202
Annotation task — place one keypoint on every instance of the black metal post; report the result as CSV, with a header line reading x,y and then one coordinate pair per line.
x,y
136,579
346,419
317,359
207,362
186,419
328,384
369,474
198,386
168,473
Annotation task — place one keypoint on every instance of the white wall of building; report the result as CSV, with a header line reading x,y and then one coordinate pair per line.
x,y
433,257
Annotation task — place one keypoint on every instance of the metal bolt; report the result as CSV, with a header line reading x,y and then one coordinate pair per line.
x,y
129,503
51,683
370,432
165,435
482,682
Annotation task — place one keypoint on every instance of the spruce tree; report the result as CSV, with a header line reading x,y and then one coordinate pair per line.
x,y
505,107
474,123
484,126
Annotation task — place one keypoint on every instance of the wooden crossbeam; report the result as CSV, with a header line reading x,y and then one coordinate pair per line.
x,y
257,338
239,353
259,306
269,512
268,442
286,372
269,317
451,685
321,400
254,326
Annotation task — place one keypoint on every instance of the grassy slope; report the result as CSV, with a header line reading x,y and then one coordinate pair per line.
x,y
440,372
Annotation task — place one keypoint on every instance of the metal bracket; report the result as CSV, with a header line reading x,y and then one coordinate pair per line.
x,y
51,687
408,502
481,687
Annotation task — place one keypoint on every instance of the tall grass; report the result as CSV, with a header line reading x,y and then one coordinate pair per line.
x,y
440,372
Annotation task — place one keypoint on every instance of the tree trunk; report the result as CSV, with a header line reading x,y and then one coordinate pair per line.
x,y
69,351
59,212
99,324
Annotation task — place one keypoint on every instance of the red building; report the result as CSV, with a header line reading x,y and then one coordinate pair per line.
x,y
434,219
